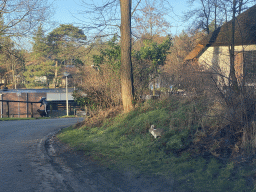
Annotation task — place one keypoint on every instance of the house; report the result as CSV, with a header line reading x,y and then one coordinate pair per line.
x,y
212,52
42,79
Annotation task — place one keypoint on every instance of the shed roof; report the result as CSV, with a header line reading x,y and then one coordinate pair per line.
x,y
60,90
245,34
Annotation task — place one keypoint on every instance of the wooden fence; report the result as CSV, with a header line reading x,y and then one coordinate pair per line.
x,y
8,107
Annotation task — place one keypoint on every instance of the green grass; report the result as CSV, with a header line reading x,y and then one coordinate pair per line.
x,y
25,118
125,142
70,116
15,119
29,118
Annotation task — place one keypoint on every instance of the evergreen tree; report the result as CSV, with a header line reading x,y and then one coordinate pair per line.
x,y
64,43
155,55
64,40
40,47
39,64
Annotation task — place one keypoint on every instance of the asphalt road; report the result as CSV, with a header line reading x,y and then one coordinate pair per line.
x,y
32,159
23,164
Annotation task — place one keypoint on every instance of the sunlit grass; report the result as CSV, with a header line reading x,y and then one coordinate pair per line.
x,y
29,118
124,142
17,119
70,116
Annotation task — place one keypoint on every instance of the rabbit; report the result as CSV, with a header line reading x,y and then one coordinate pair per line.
x,y
156,132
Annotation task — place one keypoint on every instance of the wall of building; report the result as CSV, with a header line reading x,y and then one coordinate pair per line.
x,y
217,59
58,96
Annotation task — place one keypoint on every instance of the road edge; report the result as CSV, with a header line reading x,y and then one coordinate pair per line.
x,y
46,151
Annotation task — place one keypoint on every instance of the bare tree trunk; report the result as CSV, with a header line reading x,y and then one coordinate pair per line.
x,y
240,4
233,79
215,15
126,64
154,87
56,74
13,76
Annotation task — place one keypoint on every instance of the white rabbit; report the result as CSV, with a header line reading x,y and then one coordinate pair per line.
x,y
156,132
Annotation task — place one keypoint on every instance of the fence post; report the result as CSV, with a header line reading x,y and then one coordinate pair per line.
x,y
27,105
32,110
18,94
7,109
1,105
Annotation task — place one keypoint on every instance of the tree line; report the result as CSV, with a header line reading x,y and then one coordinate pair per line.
x,y
48,56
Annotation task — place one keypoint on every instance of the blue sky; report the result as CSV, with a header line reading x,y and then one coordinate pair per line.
x,y
67,10
64,10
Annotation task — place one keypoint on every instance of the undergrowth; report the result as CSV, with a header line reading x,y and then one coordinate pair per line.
x,y
123,141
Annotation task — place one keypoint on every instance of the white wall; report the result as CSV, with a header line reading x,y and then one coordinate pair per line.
x,y
218,59
58,96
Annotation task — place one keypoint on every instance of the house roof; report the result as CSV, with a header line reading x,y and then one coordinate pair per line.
x,y
245,34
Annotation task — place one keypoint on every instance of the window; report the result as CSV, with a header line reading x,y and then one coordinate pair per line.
x,y
250,66
245,66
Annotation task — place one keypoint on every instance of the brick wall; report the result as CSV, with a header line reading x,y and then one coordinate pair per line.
x,y
17,109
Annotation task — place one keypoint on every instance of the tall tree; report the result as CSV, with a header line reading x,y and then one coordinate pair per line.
x,y
40,47
202,15
105,22
11,61
18,18
126,63
218,11
149,20
39,64
232,73
63,38
63,41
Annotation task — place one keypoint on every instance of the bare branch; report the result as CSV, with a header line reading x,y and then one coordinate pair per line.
x,y
21,16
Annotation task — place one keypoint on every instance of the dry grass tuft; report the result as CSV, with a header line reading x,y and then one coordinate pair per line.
x,y
97,118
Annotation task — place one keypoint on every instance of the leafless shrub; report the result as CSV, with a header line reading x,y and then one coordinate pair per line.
x,y
97,119
249,138
231,113
238,112
101,86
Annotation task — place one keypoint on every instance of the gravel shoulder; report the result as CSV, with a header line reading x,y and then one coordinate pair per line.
x,y
79,173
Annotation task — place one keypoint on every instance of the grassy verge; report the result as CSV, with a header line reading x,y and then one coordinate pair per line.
x,y
18,119
124,142
15,119
70,116
29,118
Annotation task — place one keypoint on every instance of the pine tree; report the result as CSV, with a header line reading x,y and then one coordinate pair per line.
x,y
39,63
